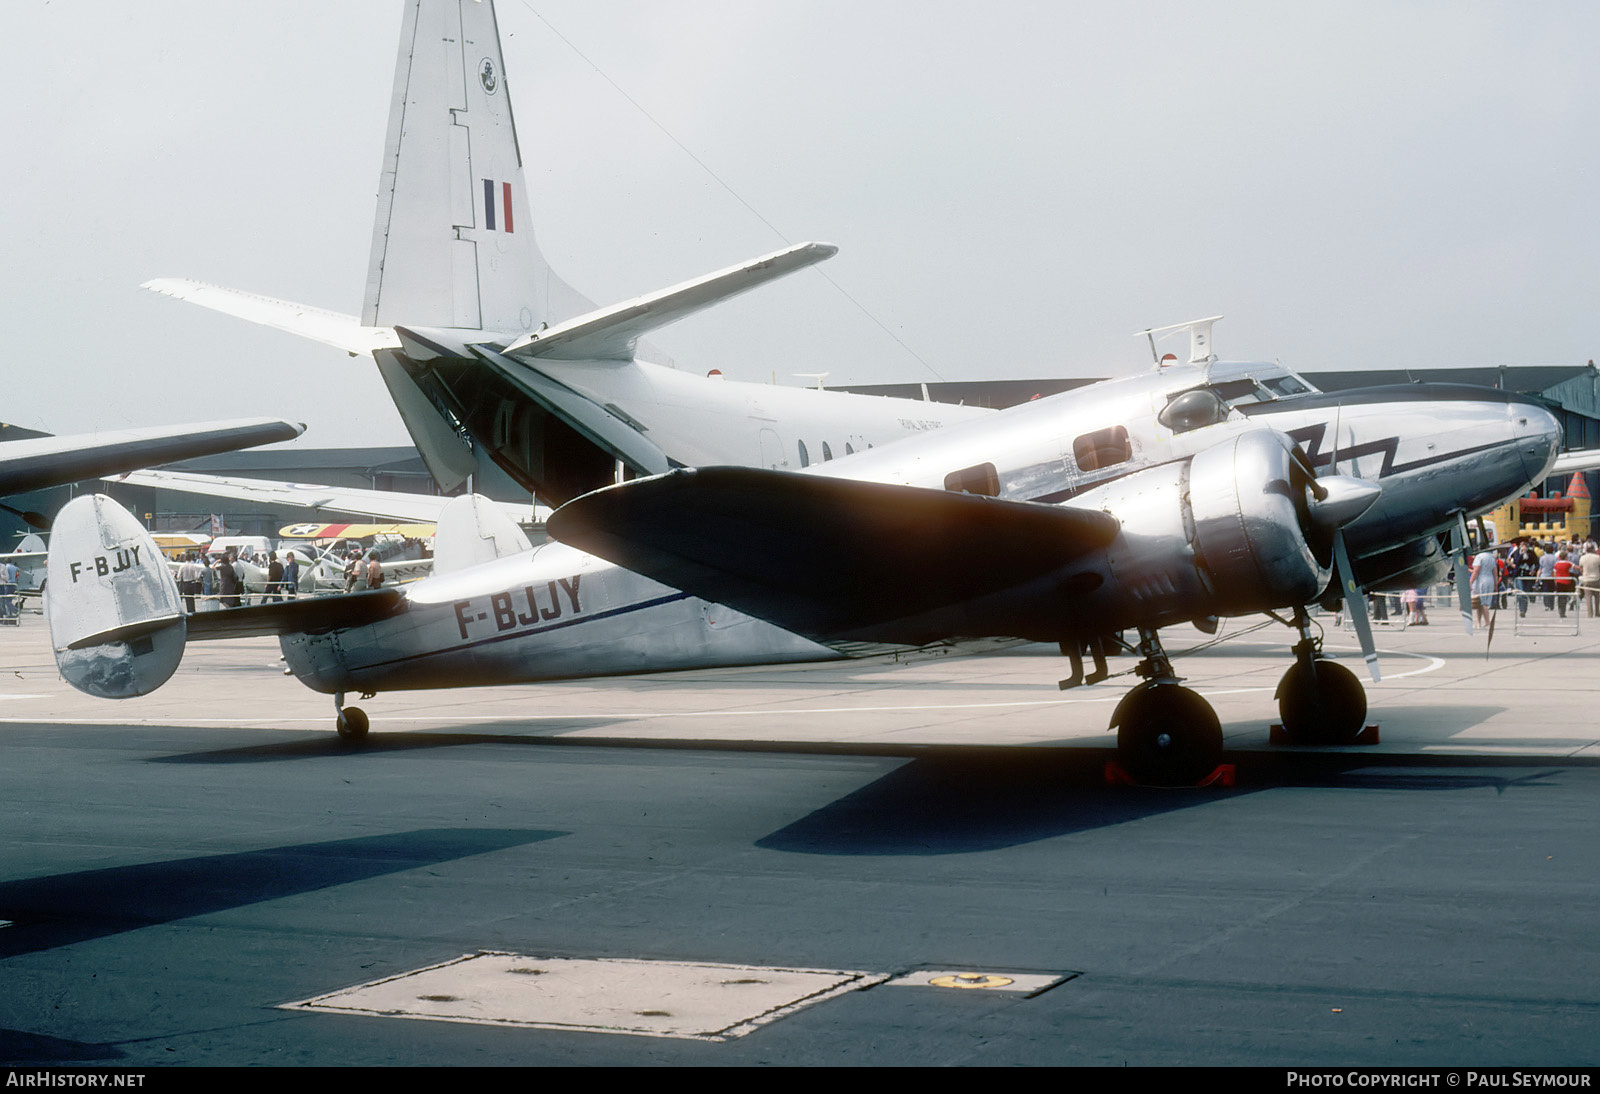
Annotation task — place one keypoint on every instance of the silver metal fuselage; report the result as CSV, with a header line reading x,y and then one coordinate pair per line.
x,y
1438,452
547,614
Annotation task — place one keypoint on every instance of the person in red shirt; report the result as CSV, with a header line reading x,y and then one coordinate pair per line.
x,y
1566,582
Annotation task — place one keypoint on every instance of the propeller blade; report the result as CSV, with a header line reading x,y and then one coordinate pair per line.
x,y
1355,602
1458,552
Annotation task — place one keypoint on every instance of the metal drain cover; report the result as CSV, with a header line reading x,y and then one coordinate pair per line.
x,y
696,1000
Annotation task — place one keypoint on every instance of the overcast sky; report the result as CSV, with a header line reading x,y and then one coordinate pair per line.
x,y
1016,188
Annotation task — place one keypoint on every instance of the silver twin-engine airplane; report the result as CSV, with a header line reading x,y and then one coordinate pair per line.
x,y
1183,494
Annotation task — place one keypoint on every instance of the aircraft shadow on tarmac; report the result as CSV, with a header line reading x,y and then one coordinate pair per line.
x,y
18,1048
952,802
62,909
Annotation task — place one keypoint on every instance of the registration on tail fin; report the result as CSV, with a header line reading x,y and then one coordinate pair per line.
x,y
116,621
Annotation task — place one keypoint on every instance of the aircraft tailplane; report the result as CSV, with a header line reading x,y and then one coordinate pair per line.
x,y
116,621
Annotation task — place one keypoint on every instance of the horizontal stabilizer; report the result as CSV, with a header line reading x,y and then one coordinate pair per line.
x,y
472,530
826,557
305,615
116,623
331,328
611,333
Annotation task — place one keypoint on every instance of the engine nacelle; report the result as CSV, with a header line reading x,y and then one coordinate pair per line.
x,y
1230,532
1253,529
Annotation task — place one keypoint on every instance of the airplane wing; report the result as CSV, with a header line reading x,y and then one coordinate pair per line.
x,y
826,557
1579,460
331,328
50,461
393,504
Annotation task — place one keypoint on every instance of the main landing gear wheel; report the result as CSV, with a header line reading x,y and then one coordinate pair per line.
x,y
352,724
1320,702
1169,736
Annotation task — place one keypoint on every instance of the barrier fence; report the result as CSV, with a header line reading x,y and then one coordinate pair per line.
x,y
1535,608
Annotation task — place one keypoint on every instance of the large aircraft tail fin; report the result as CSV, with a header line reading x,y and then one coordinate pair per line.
x,y
116,621
453,244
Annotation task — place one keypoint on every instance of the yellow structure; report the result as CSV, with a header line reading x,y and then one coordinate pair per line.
x,y
1553,519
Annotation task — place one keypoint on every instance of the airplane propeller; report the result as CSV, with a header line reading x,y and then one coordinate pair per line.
x,y
1463,575
1335,501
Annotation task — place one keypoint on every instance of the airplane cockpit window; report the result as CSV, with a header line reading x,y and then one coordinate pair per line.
x,y
827,453
805,457
1192,410
1235,392
1103,448
1286,386
982,479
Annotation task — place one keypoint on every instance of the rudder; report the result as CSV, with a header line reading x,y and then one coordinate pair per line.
x,y
117,624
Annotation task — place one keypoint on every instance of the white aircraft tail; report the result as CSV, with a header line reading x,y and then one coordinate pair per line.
x,y
473,530
116,621
453,245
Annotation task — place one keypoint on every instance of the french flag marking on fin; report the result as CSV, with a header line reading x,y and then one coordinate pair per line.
x,y
489,205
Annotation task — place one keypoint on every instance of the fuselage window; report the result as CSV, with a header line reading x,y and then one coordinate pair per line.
x,y
805,457
982,479
1103,448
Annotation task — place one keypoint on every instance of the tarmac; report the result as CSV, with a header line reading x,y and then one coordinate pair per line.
x,y
912,860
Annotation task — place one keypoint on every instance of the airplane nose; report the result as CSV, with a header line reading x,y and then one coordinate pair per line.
x,y
1539,434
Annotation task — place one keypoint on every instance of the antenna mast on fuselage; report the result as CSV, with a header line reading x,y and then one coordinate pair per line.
x,y
1199,339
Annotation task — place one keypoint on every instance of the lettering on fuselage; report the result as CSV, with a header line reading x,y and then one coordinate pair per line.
x,y
519,607
103,565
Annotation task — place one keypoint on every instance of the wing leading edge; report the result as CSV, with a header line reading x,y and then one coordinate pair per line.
x,y
828,558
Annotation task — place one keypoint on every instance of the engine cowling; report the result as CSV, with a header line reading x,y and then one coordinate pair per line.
x,y
1243,526
1256,537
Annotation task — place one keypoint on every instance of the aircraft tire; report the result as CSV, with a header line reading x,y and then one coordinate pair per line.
x,y
1328,707
1169,735
352,724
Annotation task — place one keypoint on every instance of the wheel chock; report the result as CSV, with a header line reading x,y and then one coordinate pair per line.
x,y
1277,735
1221,775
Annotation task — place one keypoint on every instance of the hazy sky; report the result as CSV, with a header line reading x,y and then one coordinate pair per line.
x,y
1016,188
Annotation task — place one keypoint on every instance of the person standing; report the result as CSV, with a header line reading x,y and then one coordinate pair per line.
x,y
291,575
1484,570
229,581
1565,581
1589,579
189,580
274,578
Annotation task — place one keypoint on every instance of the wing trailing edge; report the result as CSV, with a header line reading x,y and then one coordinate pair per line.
x,y
829,558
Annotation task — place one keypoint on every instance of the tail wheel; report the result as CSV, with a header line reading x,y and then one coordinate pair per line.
x,y
1321,702
1169,736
